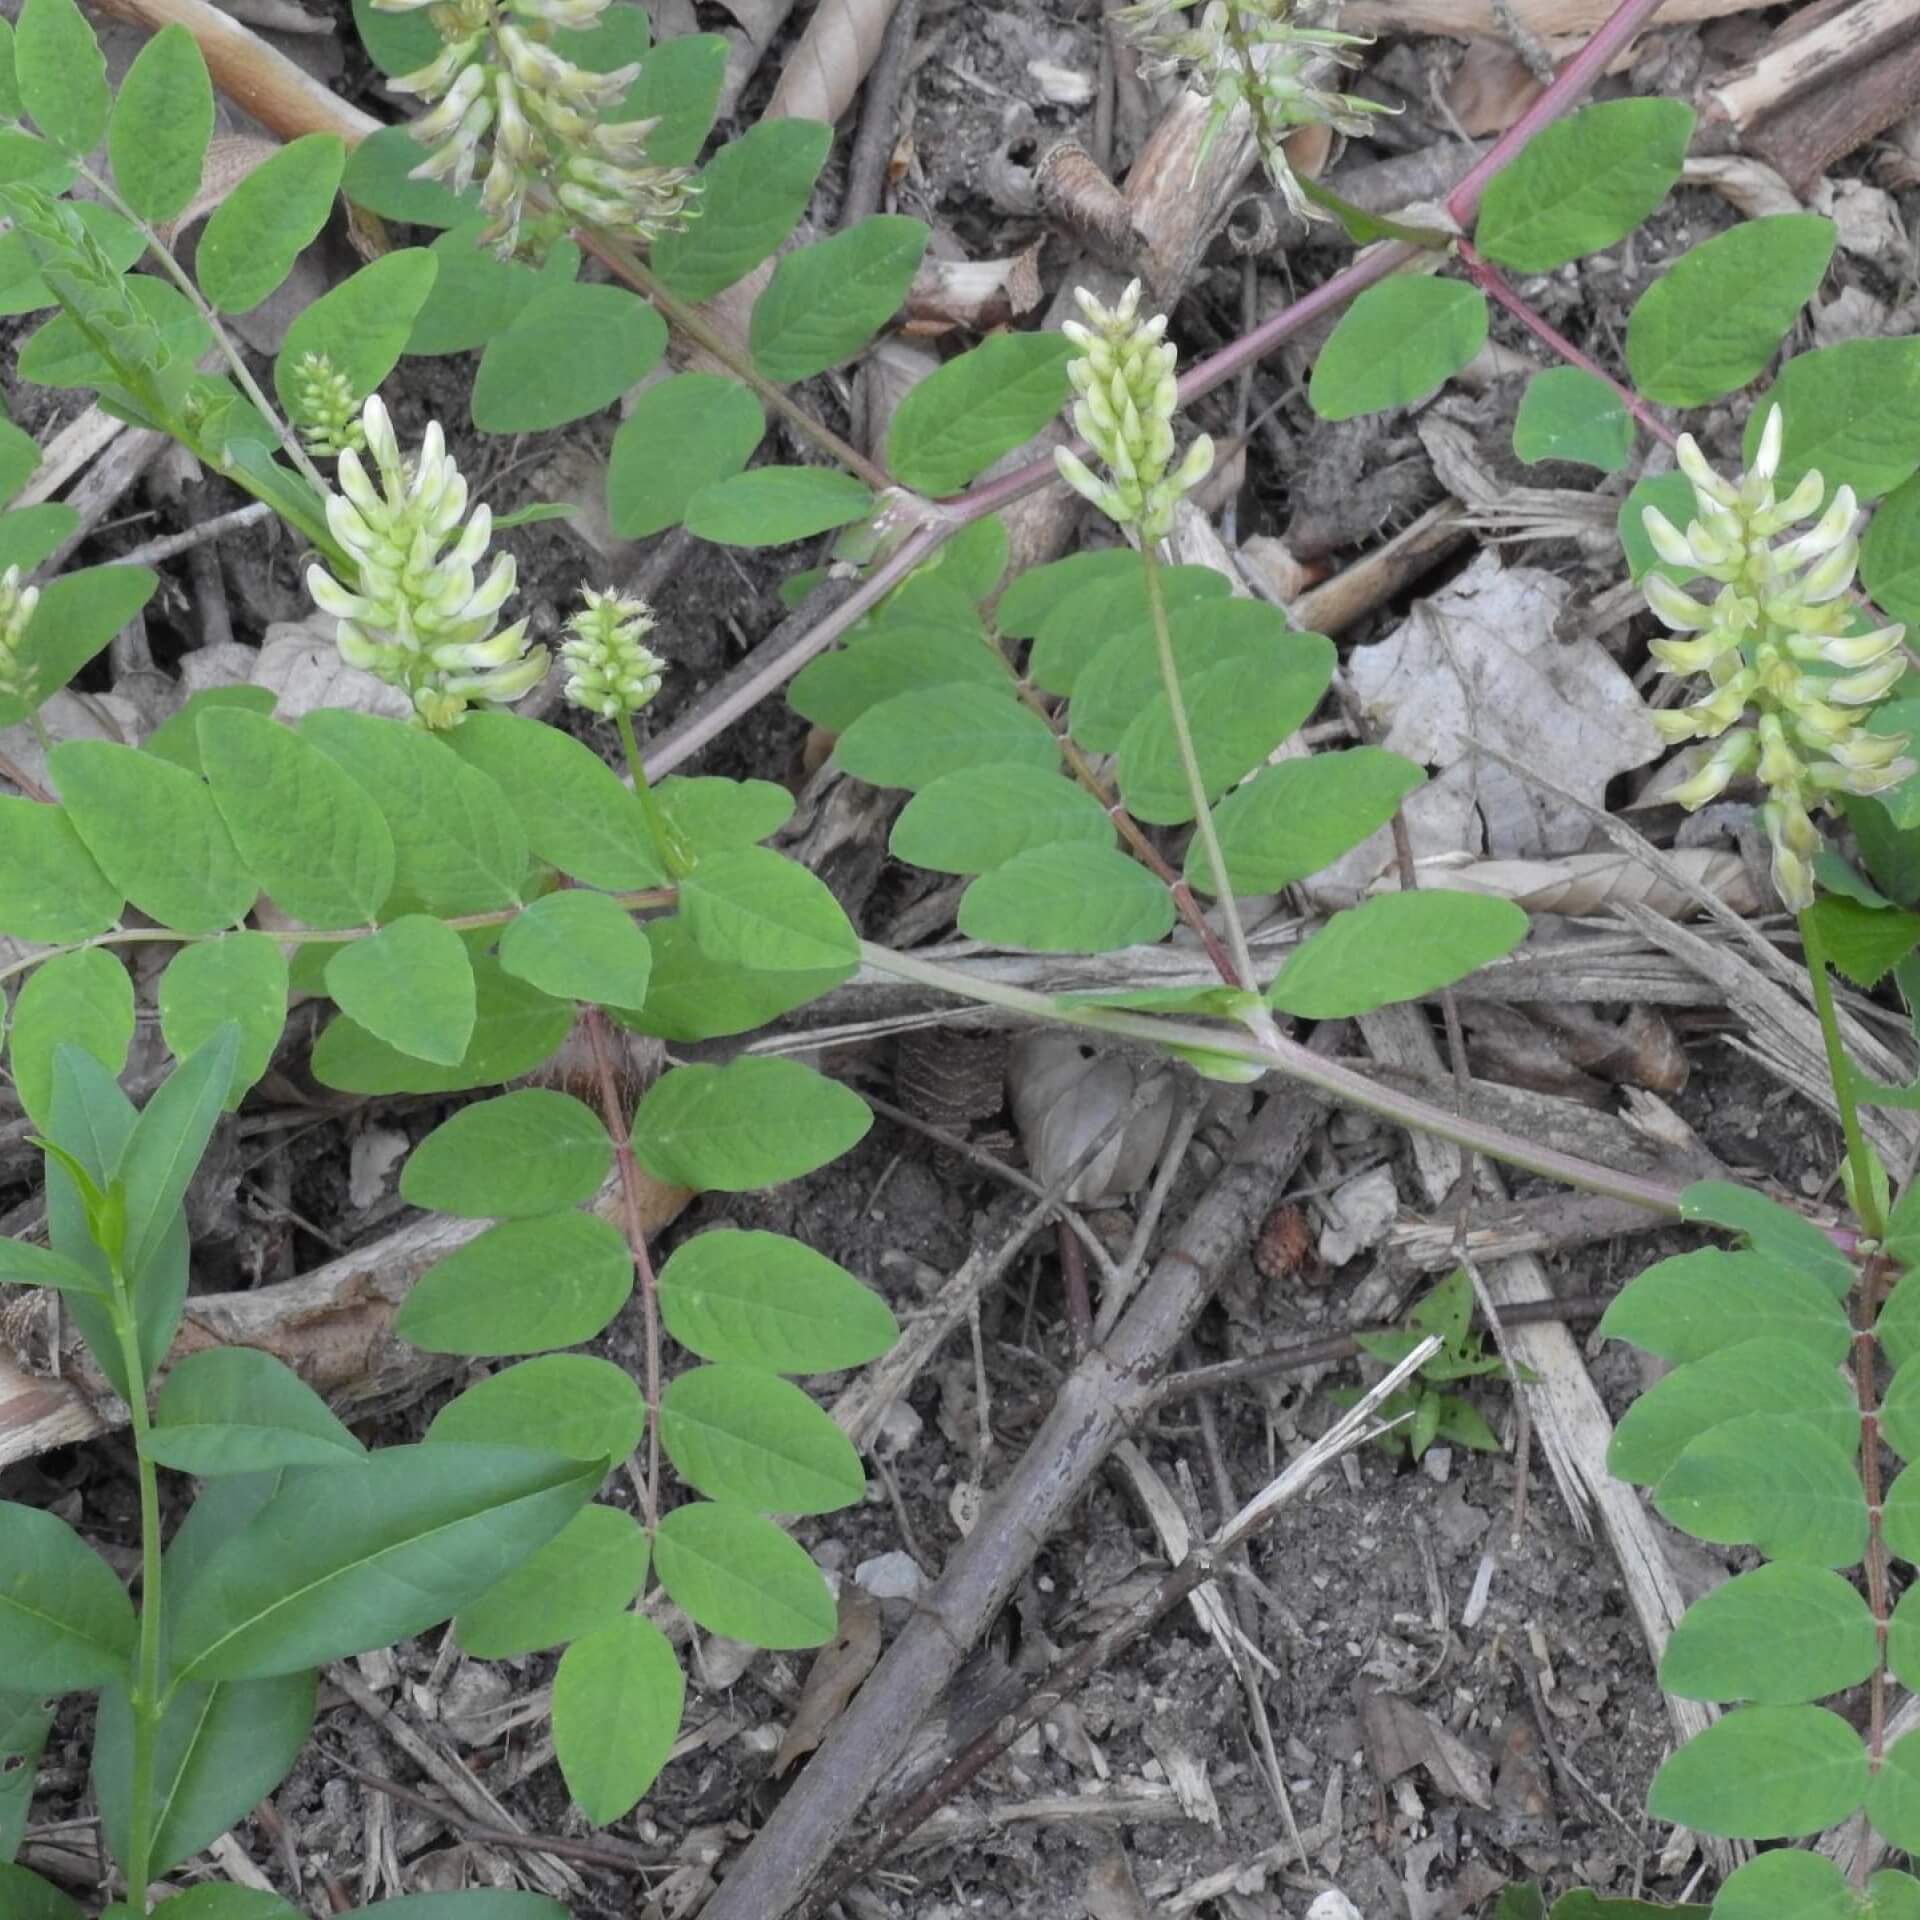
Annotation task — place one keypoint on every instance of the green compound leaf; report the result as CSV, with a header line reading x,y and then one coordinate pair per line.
x,y
1788,1238
474,295
77,615
515,1028
1893,1798
690,996
361,326
1025,606
735,1573
529,1152
51,889
161,123
36,162
752,1123
981,817
1567,413
1751,1376
458,847
10,104
569,1403
1903,1638
682,435
756,909
578,945
1898,1327
311,834
1852,412
576,812
569,352
1583,183
155,833
527,1286
239,979
1713,320
1902,1515
1067,898
617,1699
745,1436
714,815
65,1619
911,740
377,180
397,43
61,75
836,689
1397,947
1239,712
773,506
177,738
752,194
679,83
1788,1881
29,534
583,1579
82,1000
19,455
237,1410
25,1896
1107,622
826,301
1397,343
219,1751
766,1301
1801,1502
410,985
1292,820
959,420
1764,1772
347,1558
1890,553
1779,1636
1893,1896
257,232
1696,1303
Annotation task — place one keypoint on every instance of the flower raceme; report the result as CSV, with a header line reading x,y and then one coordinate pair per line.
x,y
508,102
611,671
19,679
1776,647
419,616
1123,375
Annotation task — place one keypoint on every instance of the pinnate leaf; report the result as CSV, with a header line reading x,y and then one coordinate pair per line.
x,y
569,1403
475,295
1396,947
681,435
1695,1303
241,979
1789,1238
1039,591
772,506
570,351
579,945
583,1579
526,1286
714,815
836,689
529,1152
911,740
1852,411
735,1573
826,301
1583,183
347,1558
361,325
764,1300
1568,413
679,83
1764,1772
257,232
1779,1635
82,1000
959,420
1713,320
617,1699
752,194
1397,343
752,1123
411,985
979,818
61,74
1807,1885
161,123
77,615
1067,898
1893,1798
756,909
51,888
745,1436
691,996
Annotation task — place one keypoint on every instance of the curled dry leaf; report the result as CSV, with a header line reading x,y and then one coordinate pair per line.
x,y
825,69
835,1676
978,295
1065,1094
1592,883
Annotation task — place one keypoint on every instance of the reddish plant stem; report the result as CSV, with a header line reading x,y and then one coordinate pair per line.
x,y
1488,279
1879,1597
613,1115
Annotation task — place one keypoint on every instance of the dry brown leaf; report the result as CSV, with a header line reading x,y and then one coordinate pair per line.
x,y
824,71
1399,1737
1064,1094
835,1676
1591,883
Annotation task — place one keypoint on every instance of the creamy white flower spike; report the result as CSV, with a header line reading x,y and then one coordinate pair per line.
x,y
419,615
1123,375
19,677
1781,610
612,672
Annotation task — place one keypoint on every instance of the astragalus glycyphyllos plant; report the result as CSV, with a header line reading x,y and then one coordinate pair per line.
x,y
1094,747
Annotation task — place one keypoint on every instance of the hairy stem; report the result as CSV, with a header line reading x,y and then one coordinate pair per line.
x,y
1860,1163
623,261
145,1693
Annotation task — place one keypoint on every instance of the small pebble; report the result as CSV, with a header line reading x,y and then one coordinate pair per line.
x,y
891,1576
